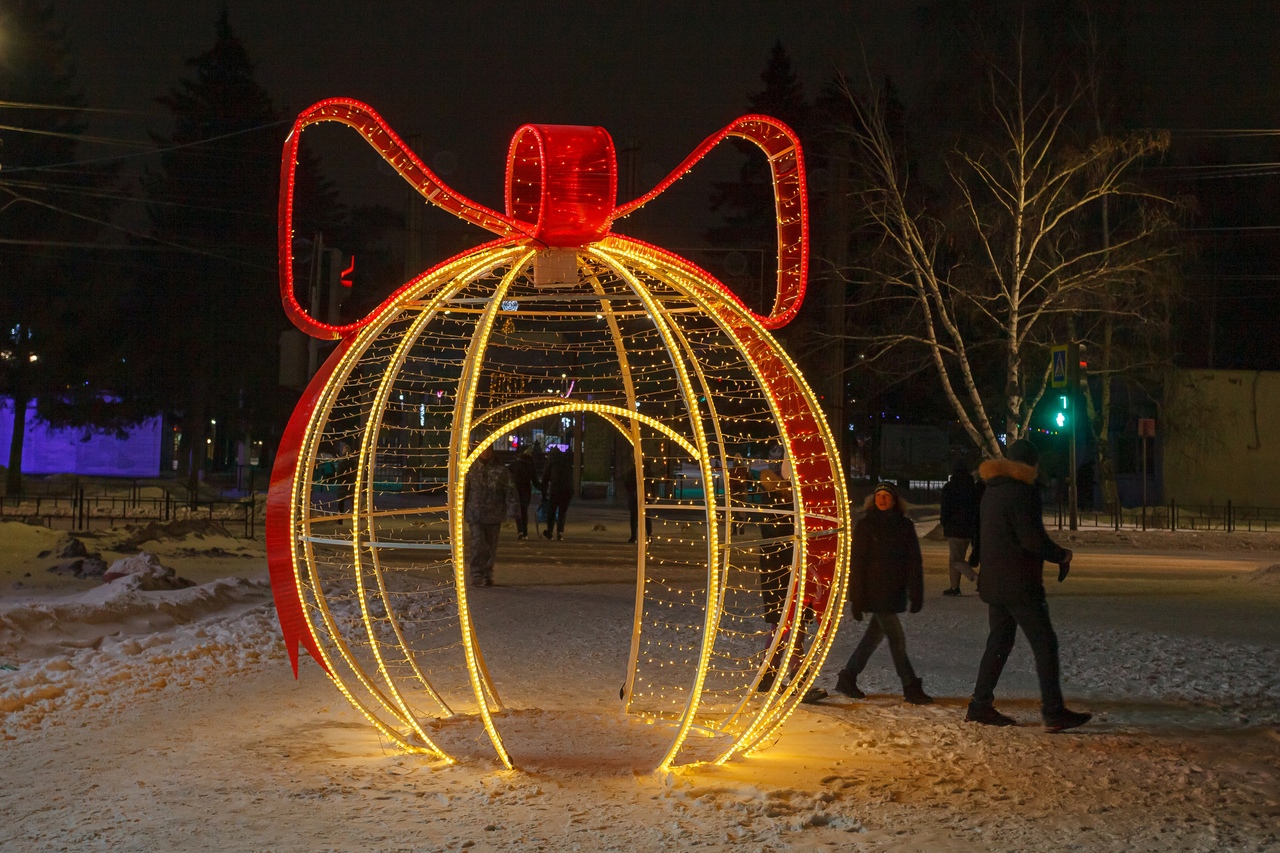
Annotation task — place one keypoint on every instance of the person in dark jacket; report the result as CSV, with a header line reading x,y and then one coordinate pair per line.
x,y
1012,548
522,473
885,571
557,490
632,486
777,549
489,497
960,497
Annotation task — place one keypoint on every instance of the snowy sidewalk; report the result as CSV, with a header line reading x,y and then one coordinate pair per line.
x,y
178,714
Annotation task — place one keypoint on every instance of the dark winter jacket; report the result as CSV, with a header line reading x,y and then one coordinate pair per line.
x,y
488,493
885,567
960,497
523,472
557,478
1012,544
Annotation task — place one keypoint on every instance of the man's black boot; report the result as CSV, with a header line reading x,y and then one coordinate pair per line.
x,y
847,683
1064,719
913,692
987,715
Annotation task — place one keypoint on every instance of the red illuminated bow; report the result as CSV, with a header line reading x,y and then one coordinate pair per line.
x,y
561,189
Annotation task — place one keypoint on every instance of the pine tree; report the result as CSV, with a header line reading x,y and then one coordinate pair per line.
x,y
52,310
211,323
746,204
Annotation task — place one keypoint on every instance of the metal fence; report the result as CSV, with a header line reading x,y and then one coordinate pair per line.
x,y
1174,516
76,507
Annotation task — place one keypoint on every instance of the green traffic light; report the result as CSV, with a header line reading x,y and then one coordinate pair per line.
x,y
1062,419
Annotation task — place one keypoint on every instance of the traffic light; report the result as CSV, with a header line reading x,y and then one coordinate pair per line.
x,y
1063,415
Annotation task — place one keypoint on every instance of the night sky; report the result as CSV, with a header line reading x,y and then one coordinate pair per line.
x,y
665,74
457,79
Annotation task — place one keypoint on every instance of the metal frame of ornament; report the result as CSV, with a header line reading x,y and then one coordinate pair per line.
x,y
326,566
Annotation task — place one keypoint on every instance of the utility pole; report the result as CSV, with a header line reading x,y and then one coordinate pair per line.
x,y
1073,409
313,302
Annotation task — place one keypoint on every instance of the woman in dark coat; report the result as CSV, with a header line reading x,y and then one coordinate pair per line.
x,y
523,472
885,570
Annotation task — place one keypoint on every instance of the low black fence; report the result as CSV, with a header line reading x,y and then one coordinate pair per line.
x,y
83,510
1226,517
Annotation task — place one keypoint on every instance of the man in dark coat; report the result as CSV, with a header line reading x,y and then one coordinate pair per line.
x,y
885,570
1012,548
557,489
960,497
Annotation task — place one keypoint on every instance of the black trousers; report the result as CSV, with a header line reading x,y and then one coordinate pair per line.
x,y
879,627
522,520
1005,620
557,507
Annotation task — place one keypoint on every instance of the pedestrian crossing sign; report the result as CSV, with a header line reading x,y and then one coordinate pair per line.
x,y
1058,366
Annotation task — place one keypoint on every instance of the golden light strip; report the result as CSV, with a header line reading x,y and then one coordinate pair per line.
x,y
580,406
766,721
708,490
777,691
777,698
369,439
303,487
638,473
704,462
458,467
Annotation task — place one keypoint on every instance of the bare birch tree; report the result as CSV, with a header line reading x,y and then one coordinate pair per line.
x,y
984,276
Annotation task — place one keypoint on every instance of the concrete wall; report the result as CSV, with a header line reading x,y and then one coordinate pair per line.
x,y
1221,437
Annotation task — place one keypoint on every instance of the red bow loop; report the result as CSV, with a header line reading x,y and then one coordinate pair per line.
x,y
561,188
791,204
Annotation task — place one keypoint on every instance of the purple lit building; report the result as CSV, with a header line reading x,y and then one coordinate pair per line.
x,y
47,450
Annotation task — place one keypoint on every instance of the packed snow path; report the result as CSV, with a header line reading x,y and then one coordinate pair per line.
x,y
143,721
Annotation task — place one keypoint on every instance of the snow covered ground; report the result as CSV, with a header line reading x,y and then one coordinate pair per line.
x,y
169,720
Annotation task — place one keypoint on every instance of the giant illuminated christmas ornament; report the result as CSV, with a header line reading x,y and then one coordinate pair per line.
x,y
740,587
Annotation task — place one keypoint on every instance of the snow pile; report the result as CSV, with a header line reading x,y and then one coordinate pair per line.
x,y
104,647
144,571
156,531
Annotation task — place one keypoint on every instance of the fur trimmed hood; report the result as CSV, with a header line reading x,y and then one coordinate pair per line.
x,y
993,468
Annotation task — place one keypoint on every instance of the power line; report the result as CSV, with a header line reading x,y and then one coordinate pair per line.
x,y
26,105
118,157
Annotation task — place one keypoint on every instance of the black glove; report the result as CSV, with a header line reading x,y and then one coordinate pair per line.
x,y
1063,569
915,606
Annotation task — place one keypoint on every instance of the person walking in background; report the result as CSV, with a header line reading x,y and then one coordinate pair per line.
x,y
1012,548
776,551
522,474
960,497
489,496
633,503
557,490
886,573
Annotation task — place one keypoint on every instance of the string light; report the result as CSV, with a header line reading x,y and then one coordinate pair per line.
x,y
366,549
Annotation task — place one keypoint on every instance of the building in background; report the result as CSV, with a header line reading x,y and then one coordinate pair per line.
x,y
1219,437
49,450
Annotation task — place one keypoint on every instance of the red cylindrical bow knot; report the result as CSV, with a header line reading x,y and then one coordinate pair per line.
x,y
562,181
